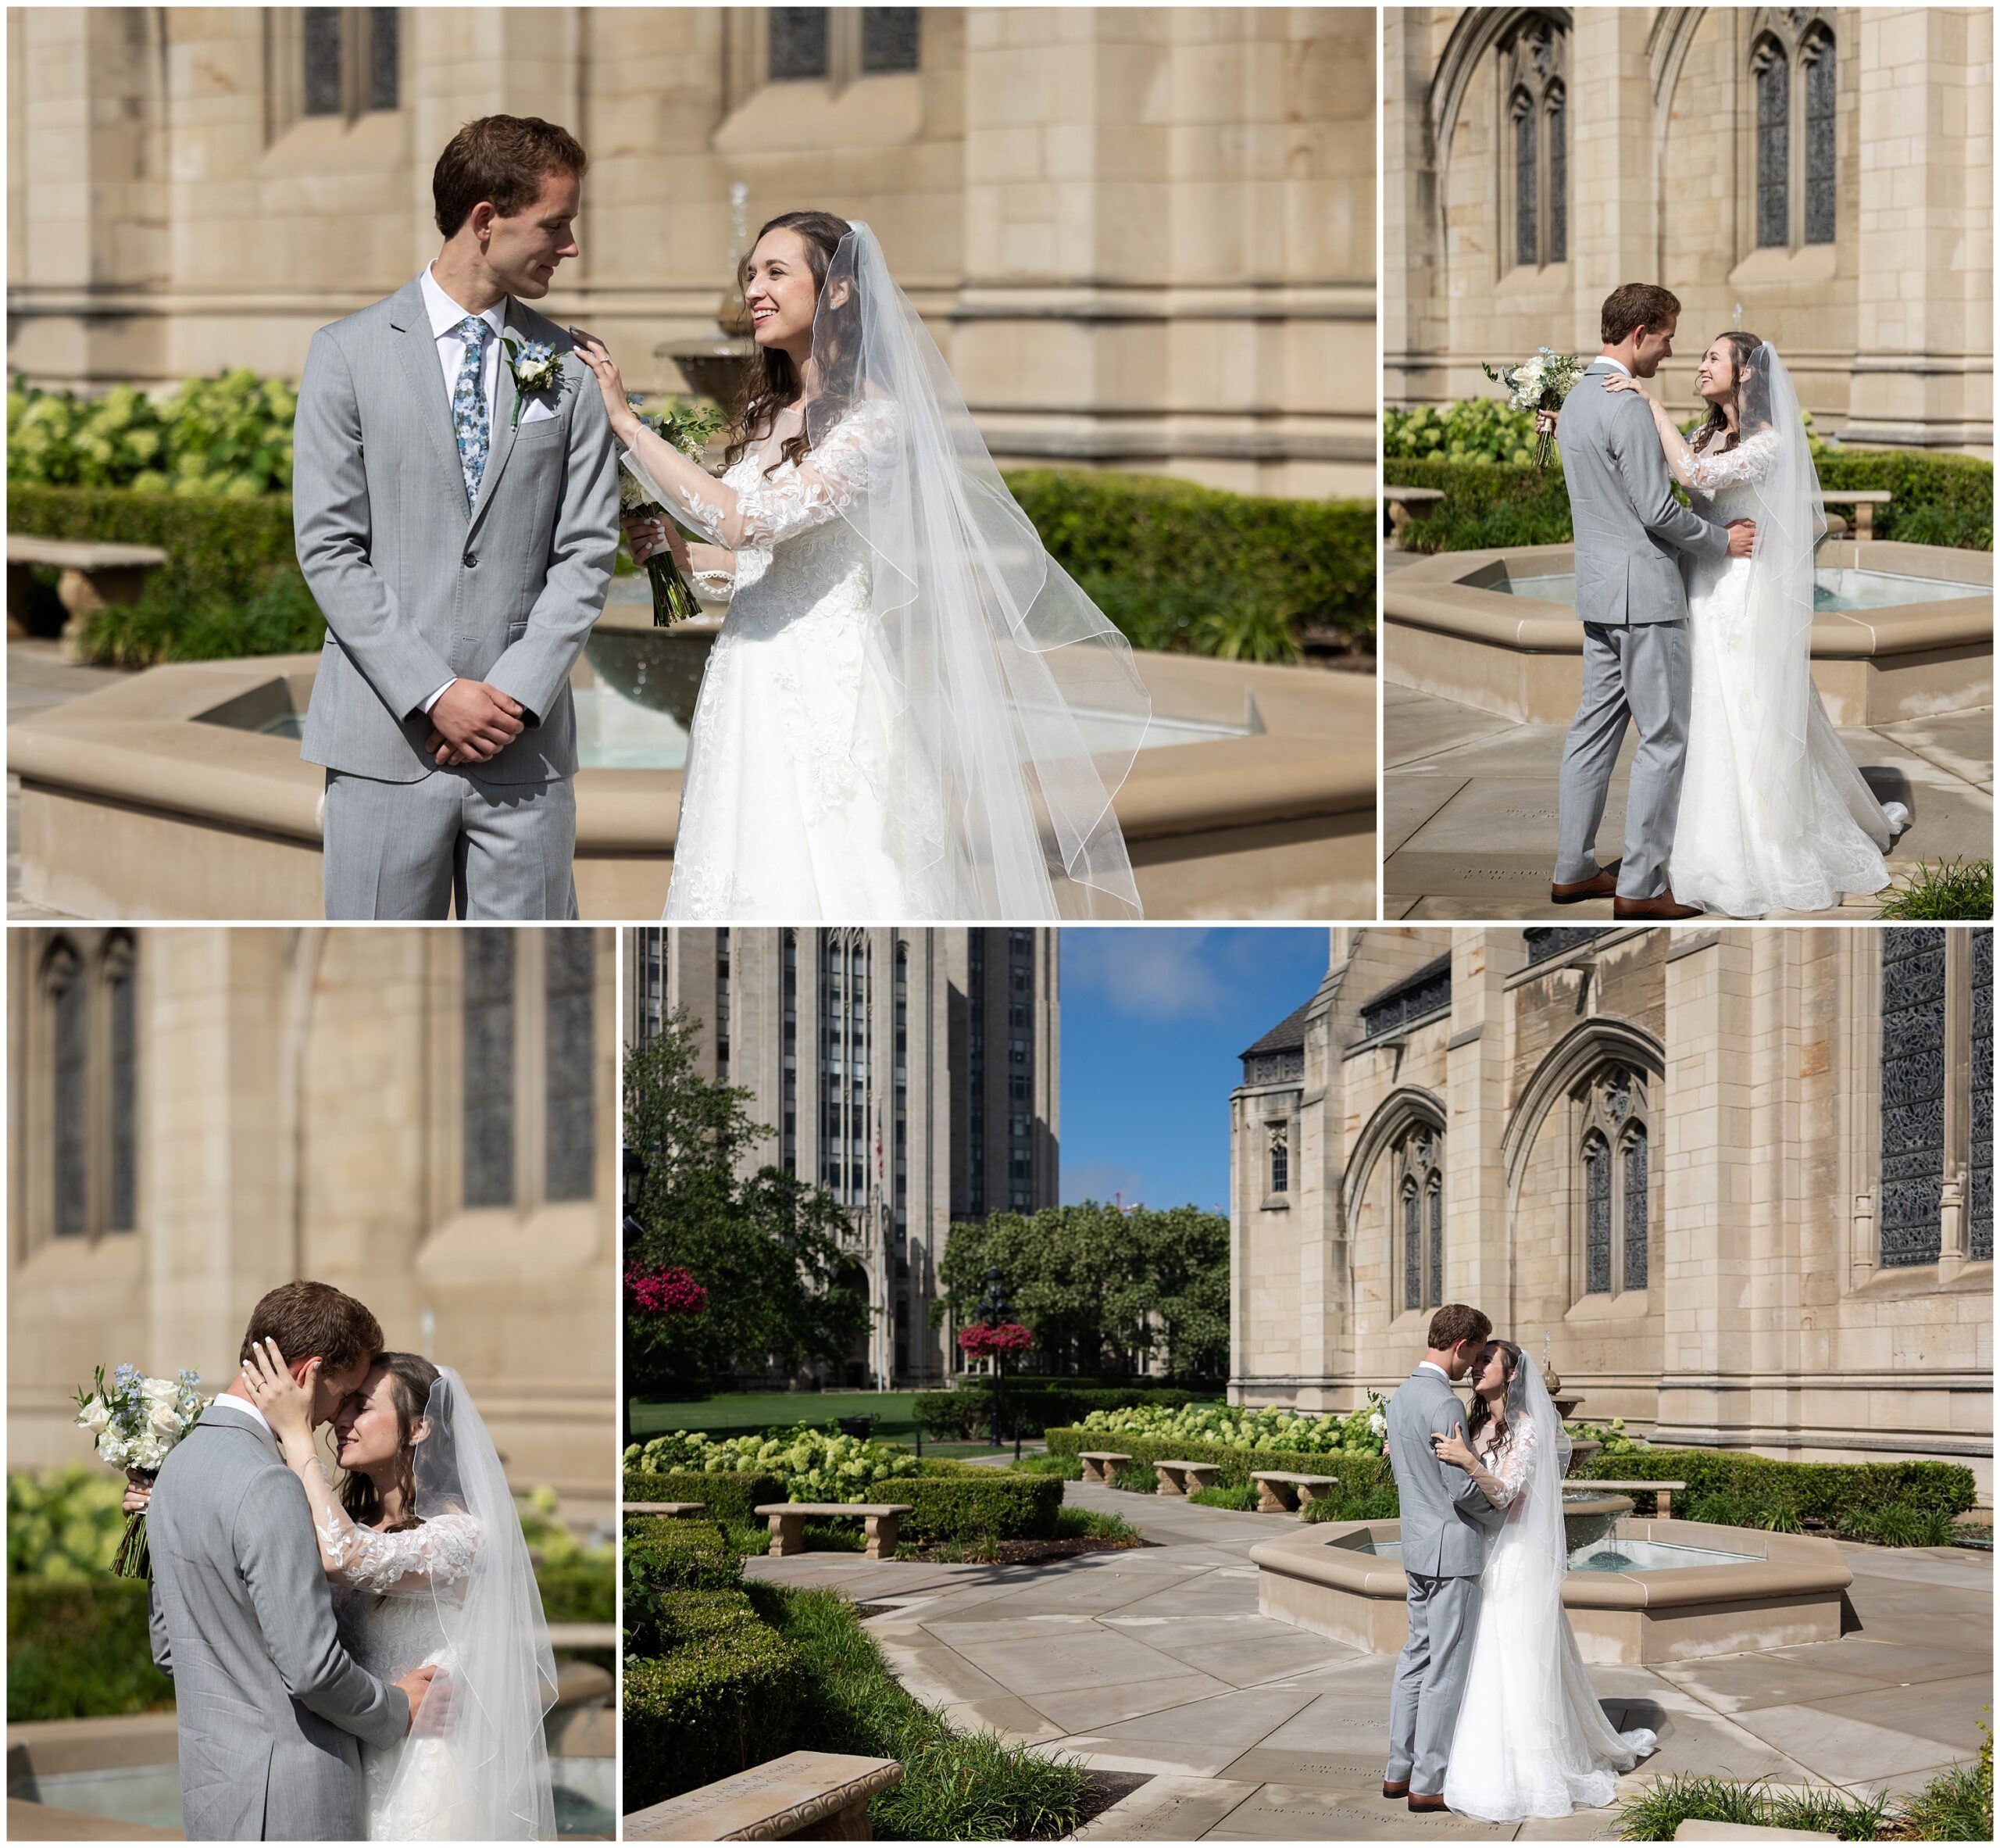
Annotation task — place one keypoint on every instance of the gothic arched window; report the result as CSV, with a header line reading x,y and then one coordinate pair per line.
x,y
1280,1158
352,60
488,1005
1634,1158
88,991
1793,68
69,1001
1613,1149
1597,1216
1419,1196
570,985
1535,177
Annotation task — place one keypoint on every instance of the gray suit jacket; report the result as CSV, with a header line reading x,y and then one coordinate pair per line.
x,y
269,1705
413,590
1628,526
1446,1516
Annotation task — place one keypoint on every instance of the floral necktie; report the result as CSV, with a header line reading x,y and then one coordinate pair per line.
x,y
469,417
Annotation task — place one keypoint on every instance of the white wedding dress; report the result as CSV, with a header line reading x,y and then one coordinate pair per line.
x,y
782,813
1531,1739
1774,816
387,1590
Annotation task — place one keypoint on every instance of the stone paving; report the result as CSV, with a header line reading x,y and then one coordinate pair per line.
x,y
1469,805
1156,1661
37,678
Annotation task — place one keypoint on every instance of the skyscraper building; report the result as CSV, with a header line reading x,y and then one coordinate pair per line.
x,y
911,1073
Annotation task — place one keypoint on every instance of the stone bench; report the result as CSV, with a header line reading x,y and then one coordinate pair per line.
x,y
1666,1491
1288,1492
676,1508
94,573
1864,501
788,1519
822,1795
1406,505
1101,1466
1179,1476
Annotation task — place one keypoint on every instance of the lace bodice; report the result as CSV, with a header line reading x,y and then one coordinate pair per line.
x,y
1510,1464
1725,476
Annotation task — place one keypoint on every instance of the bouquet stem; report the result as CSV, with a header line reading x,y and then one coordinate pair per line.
x,y
134,1557
673,601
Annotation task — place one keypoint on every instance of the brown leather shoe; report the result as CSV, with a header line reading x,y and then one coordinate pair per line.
x,y
1602,884
1665,905
1390,1789
1430,1806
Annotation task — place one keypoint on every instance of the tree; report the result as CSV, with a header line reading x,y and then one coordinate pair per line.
x,y
765,1247
1103,1289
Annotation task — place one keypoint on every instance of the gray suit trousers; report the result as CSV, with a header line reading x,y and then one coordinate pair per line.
x,y
1430,1681
1639,670
406,851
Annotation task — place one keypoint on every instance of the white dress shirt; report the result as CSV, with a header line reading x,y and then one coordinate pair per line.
x,y
1620,363
230,1399
1435,1368
446,317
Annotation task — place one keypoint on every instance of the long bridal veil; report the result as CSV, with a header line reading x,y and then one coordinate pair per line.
x,y
1002,709
486,1776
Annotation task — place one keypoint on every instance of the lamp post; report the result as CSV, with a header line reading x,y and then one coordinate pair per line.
x,y
631,1231
995,1309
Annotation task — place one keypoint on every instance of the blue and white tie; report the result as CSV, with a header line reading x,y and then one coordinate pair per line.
x,y
469,406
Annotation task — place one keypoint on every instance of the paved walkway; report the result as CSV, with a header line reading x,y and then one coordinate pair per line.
x,y
37,678
1469,805
1157,1661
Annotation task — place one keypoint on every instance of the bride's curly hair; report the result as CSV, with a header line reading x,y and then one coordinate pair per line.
x,y
770,382
1481,1412
411,1378
1715,428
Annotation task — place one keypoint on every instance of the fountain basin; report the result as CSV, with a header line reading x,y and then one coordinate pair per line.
x,y
179,792
1678,1590
1907,631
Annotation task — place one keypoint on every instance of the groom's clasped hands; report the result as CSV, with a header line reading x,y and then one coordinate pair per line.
x,y
472,723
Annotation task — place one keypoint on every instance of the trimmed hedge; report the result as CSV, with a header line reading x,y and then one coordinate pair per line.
x,y
1939,500
979,1504
1842,1495
1176,566
723,1696
729,1495
1360,1472
967,1412
674,1553
79,1648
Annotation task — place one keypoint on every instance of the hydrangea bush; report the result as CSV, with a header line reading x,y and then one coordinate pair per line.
x,y
814,1465
1271,1428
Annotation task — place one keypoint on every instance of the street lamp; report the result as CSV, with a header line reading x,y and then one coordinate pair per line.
x,y
635,1182
995,1309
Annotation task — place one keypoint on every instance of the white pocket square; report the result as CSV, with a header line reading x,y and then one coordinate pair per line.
x,y
535,408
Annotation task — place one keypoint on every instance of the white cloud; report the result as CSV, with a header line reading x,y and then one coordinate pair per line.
x,y
1161,973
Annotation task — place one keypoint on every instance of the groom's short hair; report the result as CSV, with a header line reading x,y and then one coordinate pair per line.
x,y
1636,305
1457,1322
502,160
305,1318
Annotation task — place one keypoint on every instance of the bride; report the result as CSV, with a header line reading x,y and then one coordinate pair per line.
x,y
911,712
1774,815
424,1551
1531,1739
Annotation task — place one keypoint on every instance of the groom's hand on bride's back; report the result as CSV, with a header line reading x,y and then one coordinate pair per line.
x,y
474,722
429,1697
1742,537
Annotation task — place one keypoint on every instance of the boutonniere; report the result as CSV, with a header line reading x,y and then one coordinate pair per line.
x,y
534,365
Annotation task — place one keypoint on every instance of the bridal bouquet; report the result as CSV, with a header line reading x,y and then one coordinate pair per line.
x,y
688,431
137,1419
1540,383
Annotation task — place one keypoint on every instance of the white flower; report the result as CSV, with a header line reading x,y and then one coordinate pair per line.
x,y
165,1421
159,1391
96,1416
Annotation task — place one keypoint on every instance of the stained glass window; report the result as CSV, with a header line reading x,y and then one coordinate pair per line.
x,y
1527,247
798,43
888,38
323,60
1558,183
65,988
122,986
1819,139
1773,146
384,54
569,976
1596,1216
489,1067
1979,1191
1913,1093
1635,1208
1434,1200
1412,1247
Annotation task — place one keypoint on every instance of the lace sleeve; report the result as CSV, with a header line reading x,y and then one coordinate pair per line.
x,y
1749,461
428,1557
821,487
1511,1466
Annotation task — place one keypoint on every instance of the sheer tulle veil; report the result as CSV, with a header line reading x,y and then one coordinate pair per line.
x,y
1011,704
487,1775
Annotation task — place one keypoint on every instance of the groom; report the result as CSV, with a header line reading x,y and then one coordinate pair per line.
x,y
269,1705
1633,605
457,528
1445,1519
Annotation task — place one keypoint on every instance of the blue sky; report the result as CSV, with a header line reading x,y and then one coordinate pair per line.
x,y
1153,1022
